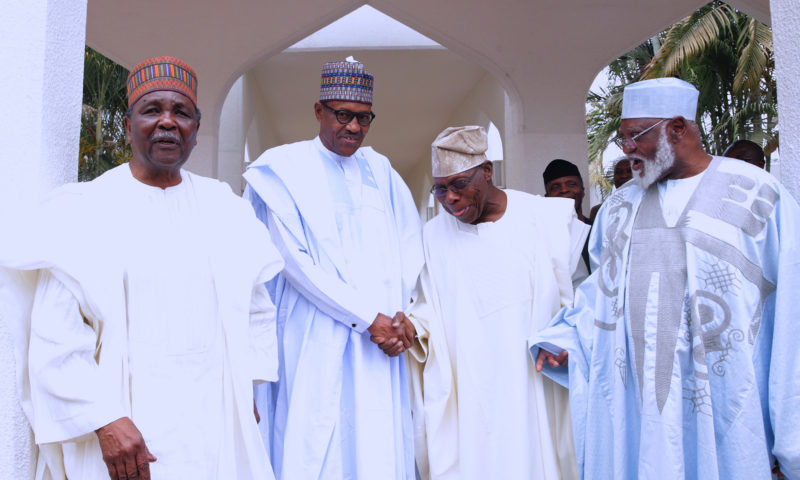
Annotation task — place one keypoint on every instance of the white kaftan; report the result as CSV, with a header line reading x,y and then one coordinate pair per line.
x,y
350,233
157,324
481,411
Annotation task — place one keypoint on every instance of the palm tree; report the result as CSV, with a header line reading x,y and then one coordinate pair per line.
x,y
723,52
728,56
103,143
605,108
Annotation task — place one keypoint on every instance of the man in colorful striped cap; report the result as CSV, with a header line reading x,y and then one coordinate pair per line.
x,y
350,234
150,323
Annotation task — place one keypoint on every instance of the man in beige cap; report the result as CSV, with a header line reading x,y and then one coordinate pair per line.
x,y
498,266
681,348
350,233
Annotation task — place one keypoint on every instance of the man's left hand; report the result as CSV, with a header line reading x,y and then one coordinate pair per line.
x,y
124,451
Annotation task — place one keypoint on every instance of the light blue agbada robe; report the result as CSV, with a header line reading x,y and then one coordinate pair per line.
x,y
351,237
683,359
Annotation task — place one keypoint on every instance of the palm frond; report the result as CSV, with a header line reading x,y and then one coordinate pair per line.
x,y
689,38
753,56
729,58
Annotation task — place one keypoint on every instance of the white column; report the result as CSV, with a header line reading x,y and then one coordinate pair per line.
x,y
529,148
231,138
40,90
786,39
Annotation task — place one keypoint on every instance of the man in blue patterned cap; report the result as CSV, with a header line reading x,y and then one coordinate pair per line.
x,y
350,233
681,351
149,323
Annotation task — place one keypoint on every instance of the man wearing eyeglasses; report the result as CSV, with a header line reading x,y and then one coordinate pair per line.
x,y
680,349
350,233
498,267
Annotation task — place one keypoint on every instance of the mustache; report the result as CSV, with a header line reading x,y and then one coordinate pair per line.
x,y
165,136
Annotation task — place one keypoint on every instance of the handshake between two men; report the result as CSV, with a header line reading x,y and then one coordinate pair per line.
x,y
396,335
393,335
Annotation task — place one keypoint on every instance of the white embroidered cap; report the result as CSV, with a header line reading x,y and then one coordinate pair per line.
x,y
660,98
457,149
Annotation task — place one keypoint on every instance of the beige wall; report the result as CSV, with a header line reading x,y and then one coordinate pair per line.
x,y
245,124
261,133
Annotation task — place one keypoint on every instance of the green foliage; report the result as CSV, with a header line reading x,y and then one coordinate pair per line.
x,y
727,55
103,143
605,108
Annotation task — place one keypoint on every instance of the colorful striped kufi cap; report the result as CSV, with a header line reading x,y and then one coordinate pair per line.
x,y
346,81
161,73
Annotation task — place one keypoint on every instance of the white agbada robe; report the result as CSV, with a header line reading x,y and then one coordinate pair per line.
x,y
174,338
481,411
350,233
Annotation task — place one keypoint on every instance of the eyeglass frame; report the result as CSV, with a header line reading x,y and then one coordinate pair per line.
x,y
451,186
350,115
622,142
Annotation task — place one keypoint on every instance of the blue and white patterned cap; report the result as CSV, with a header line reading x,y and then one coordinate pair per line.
x,y
347,81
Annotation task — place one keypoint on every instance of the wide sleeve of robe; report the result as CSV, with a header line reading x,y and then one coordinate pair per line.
x,y
781,314
263,337
325,290
432,388
67,391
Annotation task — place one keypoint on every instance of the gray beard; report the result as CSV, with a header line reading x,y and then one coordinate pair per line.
x,y
654,169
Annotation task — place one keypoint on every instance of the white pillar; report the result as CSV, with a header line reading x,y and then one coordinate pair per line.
x,y
40,89
231,138
786,39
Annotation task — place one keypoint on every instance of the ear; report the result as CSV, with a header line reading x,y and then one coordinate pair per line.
x,y
128,129
318,111
677,128
488,169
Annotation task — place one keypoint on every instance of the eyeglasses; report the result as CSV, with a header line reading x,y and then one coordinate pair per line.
x,y
346,116
630,143
456,186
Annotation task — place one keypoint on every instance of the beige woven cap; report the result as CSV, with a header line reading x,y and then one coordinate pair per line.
x,y
457,149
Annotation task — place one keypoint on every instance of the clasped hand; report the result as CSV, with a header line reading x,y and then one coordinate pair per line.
x,y
393,335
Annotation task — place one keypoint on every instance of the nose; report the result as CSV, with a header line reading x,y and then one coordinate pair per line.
x,y
353,125
167,120
628,147
451,197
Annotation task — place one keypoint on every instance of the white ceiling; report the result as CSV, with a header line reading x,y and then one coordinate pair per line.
x,y
544,53
365,28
